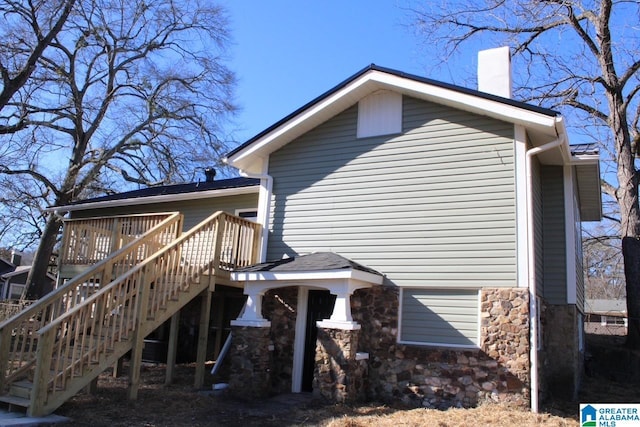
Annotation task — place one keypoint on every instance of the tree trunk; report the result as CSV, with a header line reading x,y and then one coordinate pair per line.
x,y
37,278
631,254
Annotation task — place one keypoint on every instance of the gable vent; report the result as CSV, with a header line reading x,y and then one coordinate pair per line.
x,y
380,114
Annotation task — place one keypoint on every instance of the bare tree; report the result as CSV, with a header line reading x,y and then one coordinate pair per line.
x,y
603,266
582,58
28,28
128,91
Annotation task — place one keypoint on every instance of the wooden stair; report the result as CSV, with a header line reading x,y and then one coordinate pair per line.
x,y
51,362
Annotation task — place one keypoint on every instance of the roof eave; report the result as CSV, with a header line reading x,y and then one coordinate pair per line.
x,y
165,198
248,157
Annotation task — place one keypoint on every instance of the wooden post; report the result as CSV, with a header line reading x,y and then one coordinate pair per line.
x,y
219,324
257,245
138,336
5,345
172,347
203,335
41,375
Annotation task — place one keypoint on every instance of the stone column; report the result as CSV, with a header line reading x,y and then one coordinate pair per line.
x,y
250,356
339,374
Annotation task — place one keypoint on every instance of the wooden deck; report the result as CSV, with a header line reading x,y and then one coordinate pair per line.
x,y
56,347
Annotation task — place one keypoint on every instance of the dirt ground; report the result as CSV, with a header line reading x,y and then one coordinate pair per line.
x,y
179,404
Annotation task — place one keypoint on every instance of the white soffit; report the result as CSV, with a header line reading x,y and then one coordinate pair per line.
x,y
249,158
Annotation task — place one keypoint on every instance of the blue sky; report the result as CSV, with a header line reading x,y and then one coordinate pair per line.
x,y
285,53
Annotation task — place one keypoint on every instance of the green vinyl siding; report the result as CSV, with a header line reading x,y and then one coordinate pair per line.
x,y
446,317
433,206
194,210
554,248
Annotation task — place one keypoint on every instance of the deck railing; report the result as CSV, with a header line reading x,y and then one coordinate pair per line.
x,y
70,343
11,308
18,338
90,240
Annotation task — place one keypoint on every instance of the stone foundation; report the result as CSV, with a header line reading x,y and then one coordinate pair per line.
x,y
250,356
561,361
435,377
338,375
444,377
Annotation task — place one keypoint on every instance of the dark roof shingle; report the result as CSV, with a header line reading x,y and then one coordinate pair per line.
x,y
317,261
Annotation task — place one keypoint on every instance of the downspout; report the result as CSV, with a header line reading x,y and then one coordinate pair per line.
x,y
533,291
264,216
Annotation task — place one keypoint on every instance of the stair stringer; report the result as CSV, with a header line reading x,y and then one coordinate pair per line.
x,y
122,347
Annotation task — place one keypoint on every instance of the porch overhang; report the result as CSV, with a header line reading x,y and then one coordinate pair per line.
x,y
328,271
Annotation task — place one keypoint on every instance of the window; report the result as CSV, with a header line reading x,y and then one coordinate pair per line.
x,y
440,317
380,114
15,290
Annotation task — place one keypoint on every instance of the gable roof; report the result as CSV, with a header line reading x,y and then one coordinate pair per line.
x,y
543,124
317,261
318,265
165,193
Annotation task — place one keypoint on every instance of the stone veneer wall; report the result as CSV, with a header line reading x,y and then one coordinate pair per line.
x,y
562,361
280,306
444,377
338,375
250,372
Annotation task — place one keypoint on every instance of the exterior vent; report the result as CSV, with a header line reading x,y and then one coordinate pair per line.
x,y
209,174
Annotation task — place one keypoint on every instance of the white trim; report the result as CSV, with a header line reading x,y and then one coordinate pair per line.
x,y
157,199
279,277
570,234
436,344
264,203
520,151
375,80
336,324
299,339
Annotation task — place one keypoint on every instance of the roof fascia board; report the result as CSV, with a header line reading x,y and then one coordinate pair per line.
x,y
373,80
291,124
470,102
257,276
157,199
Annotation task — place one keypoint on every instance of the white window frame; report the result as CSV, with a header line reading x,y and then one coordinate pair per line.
x,y
475,345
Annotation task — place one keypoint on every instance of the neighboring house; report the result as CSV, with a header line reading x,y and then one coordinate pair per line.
x,y
606,312
13,278
421,242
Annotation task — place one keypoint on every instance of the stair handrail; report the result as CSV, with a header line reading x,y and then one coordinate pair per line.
x,y
68,295
128,299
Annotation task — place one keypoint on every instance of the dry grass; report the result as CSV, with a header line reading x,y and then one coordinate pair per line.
x,y
179,405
